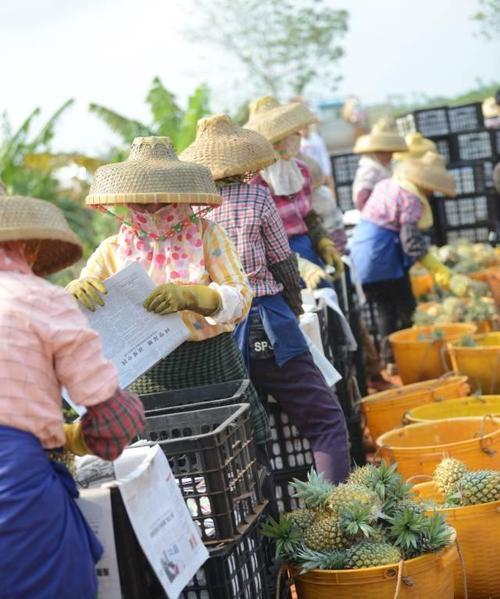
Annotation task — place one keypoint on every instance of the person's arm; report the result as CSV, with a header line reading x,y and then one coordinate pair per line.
x,y
361,196
287,273
323,244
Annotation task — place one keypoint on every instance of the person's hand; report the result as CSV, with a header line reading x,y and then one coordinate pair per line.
x,y
87,292
74,439
311,273
441,273
171,297
331,256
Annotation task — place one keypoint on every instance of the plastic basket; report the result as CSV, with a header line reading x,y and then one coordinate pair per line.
x,y
237,570
466,117
443,146
429,576
481,363
406,124
474,406
466,211
472,177
421,284
478,532
212,455
419,356
478,234
473,145
344,197
385,411
419,448
344,167
284,492
196,398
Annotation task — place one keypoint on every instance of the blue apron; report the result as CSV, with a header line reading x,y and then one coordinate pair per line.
x,y
47,550
302,245
377,253
280,326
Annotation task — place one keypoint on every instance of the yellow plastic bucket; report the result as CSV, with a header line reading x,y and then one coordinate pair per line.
x,y
478,533
475,405
419,448
480,363
418,357
427,576
384,411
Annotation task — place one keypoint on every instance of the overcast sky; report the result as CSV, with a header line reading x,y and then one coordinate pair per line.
x,y
108,51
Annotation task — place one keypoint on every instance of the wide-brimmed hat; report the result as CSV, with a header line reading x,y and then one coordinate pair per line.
x,y
428,172
153,174
28,219
418,145
227,149
277,121
382,138
317,175
490,108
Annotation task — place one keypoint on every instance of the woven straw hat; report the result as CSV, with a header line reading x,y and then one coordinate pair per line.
x,y
227,149
317,175
27,219
490,108
382,138
277,121
153,174
418,145
429,172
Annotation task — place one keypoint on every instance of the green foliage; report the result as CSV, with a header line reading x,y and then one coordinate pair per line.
x,y
285,534
488,17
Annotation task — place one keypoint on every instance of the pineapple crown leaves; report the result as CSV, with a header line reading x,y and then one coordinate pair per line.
x,y
314,491
437,533
357,519
309,559
406,528
387,483
286,535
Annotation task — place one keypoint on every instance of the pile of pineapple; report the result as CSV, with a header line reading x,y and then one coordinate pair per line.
x,y
369,521
461,487
454,309
465,257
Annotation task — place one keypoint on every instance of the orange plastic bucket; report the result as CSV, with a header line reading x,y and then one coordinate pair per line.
x,y
419,357
478,533
384,411
421,284
463,407
480,363
493,278
425,577
419,448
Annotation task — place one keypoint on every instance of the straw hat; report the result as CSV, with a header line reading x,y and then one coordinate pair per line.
x,y
277,121
27,219
417,147
382,138
153,174
227,149
490,108
429,172
317,175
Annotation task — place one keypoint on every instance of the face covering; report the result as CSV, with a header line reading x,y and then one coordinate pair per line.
x,y
284,176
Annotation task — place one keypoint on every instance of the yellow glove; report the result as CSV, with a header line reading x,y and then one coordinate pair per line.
x,y
171,297
87,292
330,254
311,273
74,439
441,273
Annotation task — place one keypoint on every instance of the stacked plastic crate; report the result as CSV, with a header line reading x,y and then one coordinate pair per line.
x,y
344,170
471,152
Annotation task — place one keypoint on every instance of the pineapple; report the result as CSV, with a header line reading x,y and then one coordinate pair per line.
x,y
315,491
368,555
447,475
302,518
362,476
325,534
343,494
309,559
481,486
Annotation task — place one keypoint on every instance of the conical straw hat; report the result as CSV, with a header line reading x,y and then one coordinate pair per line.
x,y
28,219
428,172
418,145
227,149
382,138
277,121
490,108
153,174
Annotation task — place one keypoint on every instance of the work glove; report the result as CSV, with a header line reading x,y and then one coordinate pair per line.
x,y
312,274
170,297
87,292
74,439
331,256
441,273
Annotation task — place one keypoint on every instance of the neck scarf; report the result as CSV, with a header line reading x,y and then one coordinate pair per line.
x,y
179,258
426,220
283,177
12,257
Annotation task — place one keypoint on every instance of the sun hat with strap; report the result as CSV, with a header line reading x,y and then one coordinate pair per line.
x,y
428,172
153,174
227,149
277,121
29,219
382,138
418,145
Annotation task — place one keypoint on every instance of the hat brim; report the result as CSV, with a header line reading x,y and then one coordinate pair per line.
x,y
379,143
195,199
278,123
430,179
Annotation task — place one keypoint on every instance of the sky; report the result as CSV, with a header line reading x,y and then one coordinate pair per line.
x,y
108,51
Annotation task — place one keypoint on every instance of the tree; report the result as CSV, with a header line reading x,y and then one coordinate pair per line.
x,y
284,45
488,16
167,118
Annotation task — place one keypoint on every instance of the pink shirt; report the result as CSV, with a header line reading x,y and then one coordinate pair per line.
x,y
46,343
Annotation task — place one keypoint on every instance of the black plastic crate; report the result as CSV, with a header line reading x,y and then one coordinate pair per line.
x,y
343,194
406,124
429,121
196,398
344,167
212,455
479,234
466,210
472,177
473,145
237,570
369,315
443,146
285,500
466,117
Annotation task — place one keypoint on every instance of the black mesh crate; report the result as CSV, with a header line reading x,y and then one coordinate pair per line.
x,y
478,234
466,210
196,398
406,124
237,570
473,145
466,117
443,146
429,121
344,197
472,177
212,455
344,167
285,500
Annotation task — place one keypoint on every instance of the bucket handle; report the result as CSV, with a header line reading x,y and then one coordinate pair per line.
x,y
405,418
425,478
376,455
400,579
462,569
494,373
281,574
481,436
